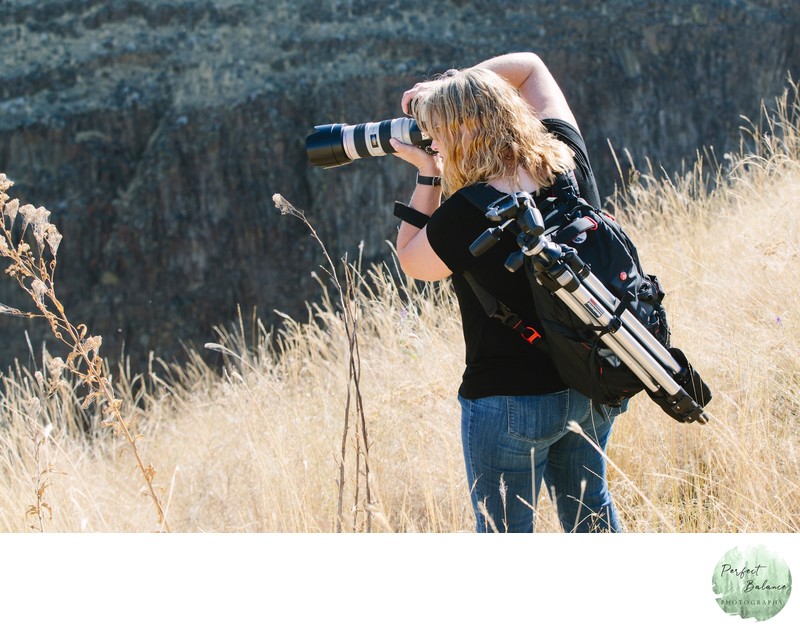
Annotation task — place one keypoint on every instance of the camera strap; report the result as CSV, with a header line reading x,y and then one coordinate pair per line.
x,y
410,215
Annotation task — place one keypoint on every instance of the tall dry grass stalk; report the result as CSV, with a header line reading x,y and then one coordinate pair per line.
x,y
259,447
349,312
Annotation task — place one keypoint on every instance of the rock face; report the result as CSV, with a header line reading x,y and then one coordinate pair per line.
x,y
157,131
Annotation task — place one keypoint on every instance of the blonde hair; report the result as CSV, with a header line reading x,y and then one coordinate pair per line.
x,y
488,131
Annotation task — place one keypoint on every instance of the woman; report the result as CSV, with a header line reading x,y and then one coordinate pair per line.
x,y
504,124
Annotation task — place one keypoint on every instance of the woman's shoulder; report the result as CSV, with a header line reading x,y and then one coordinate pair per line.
x,y
562,128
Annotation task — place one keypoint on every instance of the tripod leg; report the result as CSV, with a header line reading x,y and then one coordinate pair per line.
x,y
634,325
633,361
572,290
631,351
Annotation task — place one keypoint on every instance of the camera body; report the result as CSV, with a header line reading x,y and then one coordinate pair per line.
x,y
338,144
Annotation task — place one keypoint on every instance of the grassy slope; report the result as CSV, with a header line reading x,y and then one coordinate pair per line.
x,y
258,449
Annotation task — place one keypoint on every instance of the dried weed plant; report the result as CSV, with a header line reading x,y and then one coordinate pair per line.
x,y
349,312
41,477
34,270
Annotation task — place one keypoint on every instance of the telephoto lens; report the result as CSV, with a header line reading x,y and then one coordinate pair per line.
x,y
339,143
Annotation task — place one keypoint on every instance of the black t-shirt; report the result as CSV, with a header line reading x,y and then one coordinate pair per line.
x,y
498,360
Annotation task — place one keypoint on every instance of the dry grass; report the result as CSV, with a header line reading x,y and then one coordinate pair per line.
x,y
260,447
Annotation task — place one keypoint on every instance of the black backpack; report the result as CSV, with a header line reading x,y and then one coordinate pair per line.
x,y
582,361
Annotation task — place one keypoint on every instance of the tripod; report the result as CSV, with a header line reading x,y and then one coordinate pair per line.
x,y
666,375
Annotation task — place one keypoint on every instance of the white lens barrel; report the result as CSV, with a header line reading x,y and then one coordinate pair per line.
x,y
372,139
348,142
401,129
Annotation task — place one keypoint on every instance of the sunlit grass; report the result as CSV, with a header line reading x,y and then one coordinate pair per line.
x,y
258,447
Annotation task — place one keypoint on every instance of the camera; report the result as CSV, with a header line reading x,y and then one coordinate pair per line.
x,y
337,144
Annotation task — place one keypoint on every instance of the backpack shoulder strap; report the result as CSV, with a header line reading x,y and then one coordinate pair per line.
x,y
565,187
499,311
487,299
481,195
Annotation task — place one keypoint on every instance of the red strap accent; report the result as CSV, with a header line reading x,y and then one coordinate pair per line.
x,y
530,335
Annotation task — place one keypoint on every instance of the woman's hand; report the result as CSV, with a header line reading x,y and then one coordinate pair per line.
x,y
426,163
410,95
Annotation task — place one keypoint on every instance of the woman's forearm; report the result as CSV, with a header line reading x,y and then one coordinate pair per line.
x,y
425,199
529,74
516,68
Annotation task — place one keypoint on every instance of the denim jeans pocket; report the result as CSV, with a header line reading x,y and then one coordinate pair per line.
x,y
538,418
613,411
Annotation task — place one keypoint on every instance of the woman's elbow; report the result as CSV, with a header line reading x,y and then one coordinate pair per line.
x,y
408,264
422,270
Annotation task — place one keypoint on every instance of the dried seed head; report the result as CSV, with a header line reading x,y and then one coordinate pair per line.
x,y
5,183
39,290
39,218
92,344
11,209
53,238
41,223
26,212
55,366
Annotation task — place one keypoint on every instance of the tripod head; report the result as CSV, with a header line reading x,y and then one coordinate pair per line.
x,y
521,217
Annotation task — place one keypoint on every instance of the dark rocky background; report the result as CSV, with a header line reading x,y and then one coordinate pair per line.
x,y
157,131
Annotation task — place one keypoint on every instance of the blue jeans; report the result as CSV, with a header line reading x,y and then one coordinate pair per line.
x,y
510,436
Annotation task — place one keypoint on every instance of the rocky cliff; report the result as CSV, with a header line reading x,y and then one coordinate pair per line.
x,y
157,131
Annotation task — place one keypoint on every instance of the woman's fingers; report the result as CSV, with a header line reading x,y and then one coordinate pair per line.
x,y
410,95
416,156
